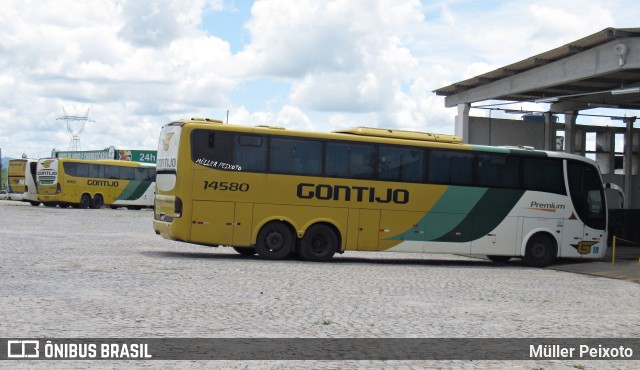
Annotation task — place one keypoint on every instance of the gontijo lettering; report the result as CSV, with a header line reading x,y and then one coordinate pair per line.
x,y
359,193
107,183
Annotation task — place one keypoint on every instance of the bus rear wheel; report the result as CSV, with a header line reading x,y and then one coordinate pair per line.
x,y
85,201
275,241
245,251
540,252
319,243
97,202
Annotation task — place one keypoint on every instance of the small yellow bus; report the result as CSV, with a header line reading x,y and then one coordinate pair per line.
x,y
21,180
94,183
276,192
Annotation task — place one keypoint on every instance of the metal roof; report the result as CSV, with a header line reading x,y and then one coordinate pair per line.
x,y
582,72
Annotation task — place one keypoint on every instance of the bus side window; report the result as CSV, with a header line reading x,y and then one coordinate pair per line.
x,y
543,175
401,164
96,170
127,173
111,172
296,156
498,171
250,153
142,174
450,168
70,168
211,147
350,160
82,170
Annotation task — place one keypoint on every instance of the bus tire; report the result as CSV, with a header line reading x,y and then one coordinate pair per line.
x,y
97,202
85,201
245,251
319,243
275,241
35,204
540,251
499,259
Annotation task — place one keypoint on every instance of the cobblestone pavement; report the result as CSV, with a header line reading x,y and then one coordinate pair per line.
x,y
104,273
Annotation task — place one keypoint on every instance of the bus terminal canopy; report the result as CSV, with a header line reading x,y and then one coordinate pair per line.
x,y
600,70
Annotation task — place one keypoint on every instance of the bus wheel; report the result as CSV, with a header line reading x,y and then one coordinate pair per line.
x,y
85,201
245,251
35,204
64,205
499,259
319,243
275,241
540,252
98,202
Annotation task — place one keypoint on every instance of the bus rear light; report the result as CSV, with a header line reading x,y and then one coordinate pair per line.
x,y
177,210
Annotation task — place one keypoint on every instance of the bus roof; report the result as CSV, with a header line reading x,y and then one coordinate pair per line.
x,y
381,136
400,134
104,161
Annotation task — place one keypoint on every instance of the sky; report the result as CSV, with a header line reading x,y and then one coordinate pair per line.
x,y
134,66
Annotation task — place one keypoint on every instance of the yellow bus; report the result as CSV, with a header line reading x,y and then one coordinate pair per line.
x,y
94,183
21,183
276,192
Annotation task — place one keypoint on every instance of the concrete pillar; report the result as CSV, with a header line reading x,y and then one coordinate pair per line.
x,y
549,133
636,154
462,122
605,145
628,160
579,141
570,131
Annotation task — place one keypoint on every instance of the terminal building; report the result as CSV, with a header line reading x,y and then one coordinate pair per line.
x,y
601,70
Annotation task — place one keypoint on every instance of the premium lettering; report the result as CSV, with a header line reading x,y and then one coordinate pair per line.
x,y
547,205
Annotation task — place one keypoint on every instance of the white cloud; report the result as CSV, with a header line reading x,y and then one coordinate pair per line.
x,y
56,54
139,64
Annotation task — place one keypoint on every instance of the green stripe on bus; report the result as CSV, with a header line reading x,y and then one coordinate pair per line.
x,y
464,214
449,211
134,190
485,216
489,149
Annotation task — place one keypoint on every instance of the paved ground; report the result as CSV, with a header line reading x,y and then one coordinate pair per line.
x,y
104,273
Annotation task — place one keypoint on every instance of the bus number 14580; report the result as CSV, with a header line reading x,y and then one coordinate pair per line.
x,y
223,185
